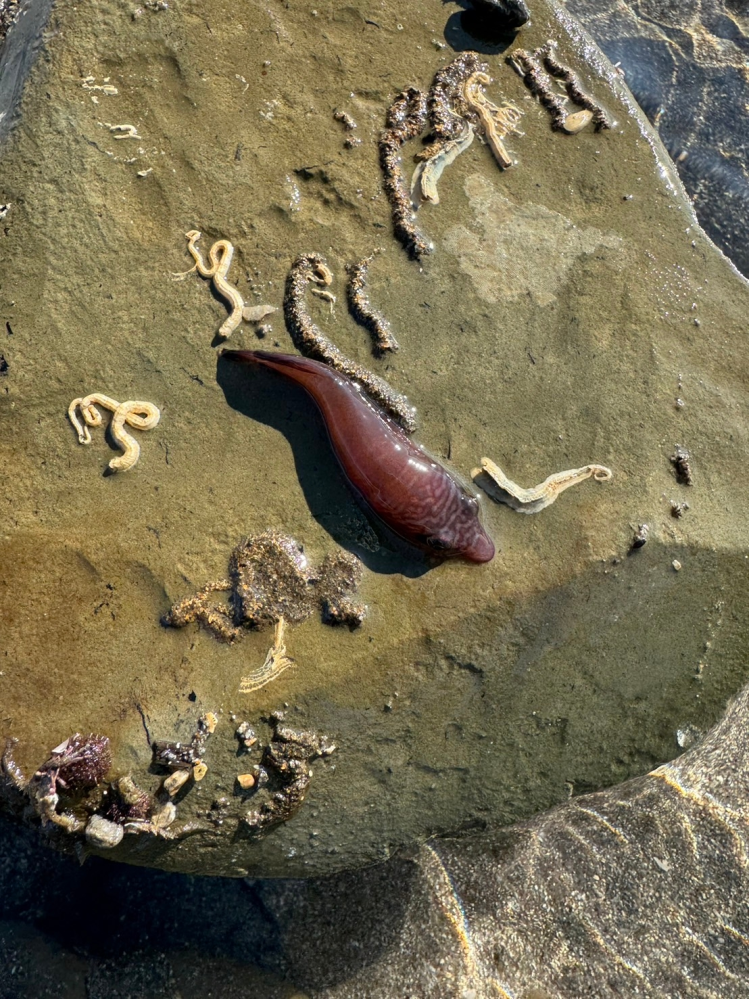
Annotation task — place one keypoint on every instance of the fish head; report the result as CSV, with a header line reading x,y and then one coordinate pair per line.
x,y
463,536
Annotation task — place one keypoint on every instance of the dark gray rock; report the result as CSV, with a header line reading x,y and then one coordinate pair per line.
x,y
686,65
638,890
21,28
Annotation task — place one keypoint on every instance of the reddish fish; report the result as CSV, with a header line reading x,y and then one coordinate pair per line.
x,y
400,484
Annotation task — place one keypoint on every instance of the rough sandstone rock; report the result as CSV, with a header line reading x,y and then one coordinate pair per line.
x,y
570,302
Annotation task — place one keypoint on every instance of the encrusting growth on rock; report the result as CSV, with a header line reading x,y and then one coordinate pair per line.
x,y
286,760
270,580
362,310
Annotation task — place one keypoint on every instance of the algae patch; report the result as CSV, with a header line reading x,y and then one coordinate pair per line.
x,y
511,250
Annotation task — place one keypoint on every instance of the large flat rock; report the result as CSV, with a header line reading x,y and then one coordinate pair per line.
x,y
569,302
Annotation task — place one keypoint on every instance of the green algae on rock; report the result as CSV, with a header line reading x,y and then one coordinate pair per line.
x,y
469,695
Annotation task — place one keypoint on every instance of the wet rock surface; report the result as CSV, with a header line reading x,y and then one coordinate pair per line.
x,y
686,65
611,332
640,889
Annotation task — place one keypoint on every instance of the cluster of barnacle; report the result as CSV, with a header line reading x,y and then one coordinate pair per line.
x,y
682,465
681,462
70,790
283,775
537,70
349,125
457,109
271,582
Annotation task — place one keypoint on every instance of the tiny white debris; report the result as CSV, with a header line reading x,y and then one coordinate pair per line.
x,y
4,209
145,173
256,313
663,864
676,565
88,83
123,131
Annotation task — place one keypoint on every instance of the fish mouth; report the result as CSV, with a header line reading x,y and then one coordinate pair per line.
x,y
481,550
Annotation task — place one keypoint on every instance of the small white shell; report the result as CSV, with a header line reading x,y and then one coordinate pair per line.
x,y
103,834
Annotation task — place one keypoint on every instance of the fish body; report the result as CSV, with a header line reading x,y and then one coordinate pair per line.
x,y
410,492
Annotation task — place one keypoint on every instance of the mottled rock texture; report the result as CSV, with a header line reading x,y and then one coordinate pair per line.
x,y
570,301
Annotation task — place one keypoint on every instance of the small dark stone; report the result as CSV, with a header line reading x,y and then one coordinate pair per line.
x,y
513,13
640,537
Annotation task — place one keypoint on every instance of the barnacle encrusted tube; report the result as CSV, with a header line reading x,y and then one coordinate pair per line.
x,y
539,84
312,342
405,120
446,104
573,85
362,310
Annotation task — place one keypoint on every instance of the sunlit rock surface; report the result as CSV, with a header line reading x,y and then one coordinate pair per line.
x,y
572,312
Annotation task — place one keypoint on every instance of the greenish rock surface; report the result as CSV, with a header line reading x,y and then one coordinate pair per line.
x,y
570,302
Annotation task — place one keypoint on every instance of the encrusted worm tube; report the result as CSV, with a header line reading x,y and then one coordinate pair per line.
x,y
539,84
405,120
446,103
573,84
310,340
363,312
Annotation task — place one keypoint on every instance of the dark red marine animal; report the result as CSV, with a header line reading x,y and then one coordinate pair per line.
x,y
400,484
